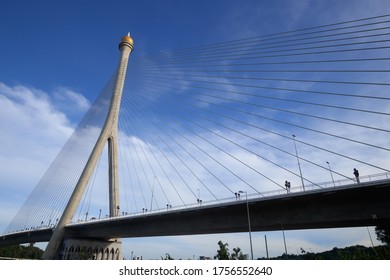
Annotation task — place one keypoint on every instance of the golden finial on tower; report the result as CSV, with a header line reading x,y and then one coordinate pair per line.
x,y
127,40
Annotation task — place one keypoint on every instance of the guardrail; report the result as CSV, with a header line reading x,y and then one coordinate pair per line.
x,y
343,183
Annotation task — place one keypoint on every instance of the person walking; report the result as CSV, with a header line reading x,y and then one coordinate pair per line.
x,y
287,185
356,173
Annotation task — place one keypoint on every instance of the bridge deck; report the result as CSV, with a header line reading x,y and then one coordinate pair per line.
x,y
366,204
363,205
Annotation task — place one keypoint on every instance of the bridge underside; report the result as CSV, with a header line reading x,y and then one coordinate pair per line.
x,y
33,236
364,205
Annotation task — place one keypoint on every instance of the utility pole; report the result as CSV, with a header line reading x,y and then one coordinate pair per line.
x,y
266,246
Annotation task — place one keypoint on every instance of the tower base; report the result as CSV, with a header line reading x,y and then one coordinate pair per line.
x,y
85,249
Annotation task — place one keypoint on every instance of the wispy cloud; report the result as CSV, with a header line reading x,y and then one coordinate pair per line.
x,y
68,99
34,130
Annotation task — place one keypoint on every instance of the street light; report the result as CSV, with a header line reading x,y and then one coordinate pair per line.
x,y
299,164
249,222
284,240
151,201
331,174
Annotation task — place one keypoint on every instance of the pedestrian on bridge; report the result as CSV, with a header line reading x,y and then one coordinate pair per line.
x,y
287,184
356,173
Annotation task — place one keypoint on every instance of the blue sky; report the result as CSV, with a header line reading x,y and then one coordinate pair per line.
x,y
47,44
56,56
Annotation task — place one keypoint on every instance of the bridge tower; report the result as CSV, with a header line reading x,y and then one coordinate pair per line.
x,y
108,135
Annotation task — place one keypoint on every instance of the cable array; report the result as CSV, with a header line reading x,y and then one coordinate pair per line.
x,y
47,201
226,112
206,122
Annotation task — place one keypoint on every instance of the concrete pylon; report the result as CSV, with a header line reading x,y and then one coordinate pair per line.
x,y
109,134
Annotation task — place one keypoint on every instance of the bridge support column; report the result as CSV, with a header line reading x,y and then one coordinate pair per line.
x,y
86,249
108,134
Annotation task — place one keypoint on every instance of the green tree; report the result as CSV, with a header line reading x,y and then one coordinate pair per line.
x,y
383,233
223,252
237,254
85,254
167,257
21,252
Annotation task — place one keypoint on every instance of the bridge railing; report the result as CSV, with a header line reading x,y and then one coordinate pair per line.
x,y
345,182
342,183
337,184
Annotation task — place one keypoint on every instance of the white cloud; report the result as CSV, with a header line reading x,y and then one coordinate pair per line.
x,y
33,132
71,99
31,109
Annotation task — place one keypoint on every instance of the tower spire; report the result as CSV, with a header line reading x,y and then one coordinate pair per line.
x,y
109,134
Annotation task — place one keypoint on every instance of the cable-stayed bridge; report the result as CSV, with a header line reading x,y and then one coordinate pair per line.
x,y
209,134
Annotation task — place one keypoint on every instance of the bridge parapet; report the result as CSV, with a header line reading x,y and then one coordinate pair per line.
x,y
367,184
372,179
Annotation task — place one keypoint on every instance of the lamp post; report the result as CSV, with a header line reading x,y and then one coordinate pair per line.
x,y
299,164
284,240
331,174
151,201
249,222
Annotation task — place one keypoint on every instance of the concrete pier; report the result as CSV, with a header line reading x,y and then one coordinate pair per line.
x,y
109,134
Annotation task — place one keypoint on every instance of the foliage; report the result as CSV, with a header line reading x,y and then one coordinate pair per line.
x,y
21,252
237,254
383,233
223,253
349,253
85,255
167,257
